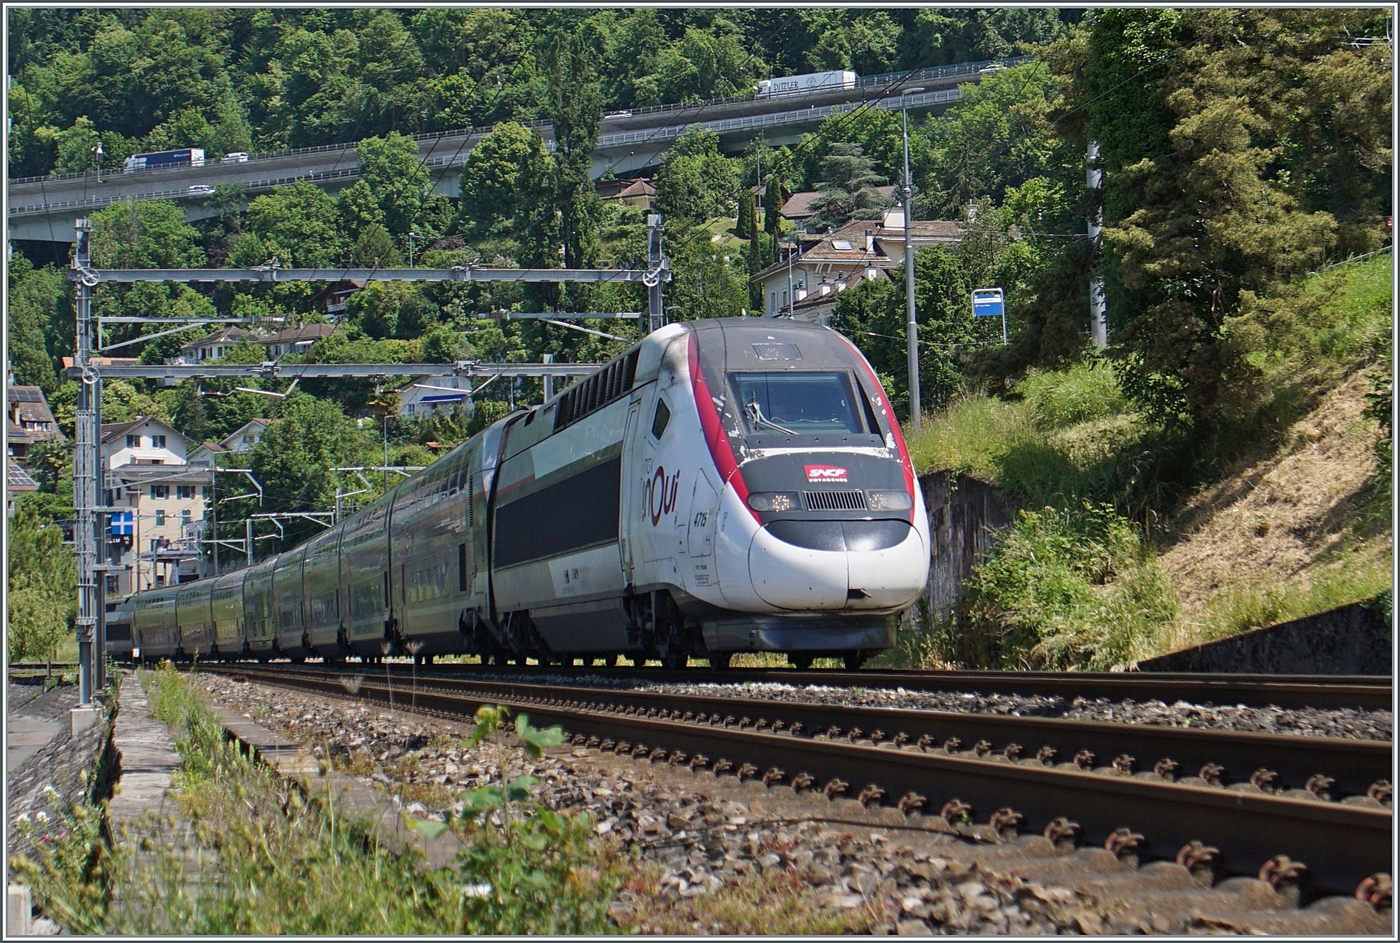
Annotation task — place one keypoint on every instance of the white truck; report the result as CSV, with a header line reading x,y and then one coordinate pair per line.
x,y
808,82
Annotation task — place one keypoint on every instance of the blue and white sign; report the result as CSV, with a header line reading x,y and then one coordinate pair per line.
x,y
122,523
988,303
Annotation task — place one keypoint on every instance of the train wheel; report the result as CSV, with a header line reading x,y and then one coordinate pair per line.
x,y
674,660
854,660
720,660
800,660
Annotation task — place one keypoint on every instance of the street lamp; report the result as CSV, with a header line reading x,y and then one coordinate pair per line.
x,y
411,234
97,152
911,324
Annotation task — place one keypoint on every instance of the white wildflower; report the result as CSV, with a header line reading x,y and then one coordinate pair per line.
x,y
41,817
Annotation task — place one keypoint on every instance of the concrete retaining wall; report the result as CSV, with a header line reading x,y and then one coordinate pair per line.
x,y
1348,640
965,515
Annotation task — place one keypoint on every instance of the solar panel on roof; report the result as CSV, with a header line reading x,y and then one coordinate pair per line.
x,y
18,477
22,395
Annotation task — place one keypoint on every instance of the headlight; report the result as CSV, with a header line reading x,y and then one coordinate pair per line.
x,y
890,501
775,501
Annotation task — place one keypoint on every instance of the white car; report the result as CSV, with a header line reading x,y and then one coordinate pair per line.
x,y
235,157
200,189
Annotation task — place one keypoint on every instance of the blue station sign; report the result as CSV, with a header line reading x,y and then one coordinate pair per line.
x,y
988,303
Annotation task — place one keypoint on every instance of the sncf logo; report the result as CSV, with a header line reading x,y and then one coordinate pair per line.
x,y
825,473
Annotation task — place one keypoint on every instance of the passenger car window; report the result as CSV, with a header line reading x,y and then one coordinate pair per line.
x,y
661,419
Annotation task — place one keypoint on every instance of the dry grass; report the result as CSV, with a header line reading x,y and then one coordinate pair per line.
x,y
1288,535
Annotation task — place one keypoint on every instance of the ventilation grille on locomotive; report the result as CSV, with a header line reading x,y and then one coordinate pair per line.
x,y
600,389
835,500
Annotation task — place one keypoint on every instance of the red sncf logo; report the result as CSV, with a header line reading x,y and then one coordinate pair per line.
x,y
825,473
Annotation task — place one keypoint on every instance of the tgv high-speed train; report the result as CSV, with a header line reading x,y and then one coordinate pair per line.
x,y
724,486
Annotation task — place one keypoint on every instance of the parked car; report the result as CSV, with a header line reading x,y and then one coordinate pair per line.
x,y
234,157
200,189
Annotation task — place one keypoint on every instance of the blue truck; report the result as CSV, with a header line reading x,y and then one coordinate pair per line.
x,y
183,157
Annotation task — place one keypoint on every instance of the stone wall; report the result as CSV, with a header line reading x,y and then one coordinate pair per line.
x,y
1354,639
965,515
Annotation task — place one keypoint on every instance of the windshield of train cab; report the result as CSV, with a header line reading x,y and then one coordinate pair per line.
x,y
825,404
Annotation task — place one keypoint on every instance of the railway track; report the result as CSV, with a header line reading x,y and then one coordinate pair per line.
x,y
984,774
1372,692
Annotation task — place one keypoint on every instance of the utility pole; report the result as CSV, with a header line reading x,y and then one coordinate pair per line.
x,y
86,478
1098,322
657,272
214,512
911,323
548,380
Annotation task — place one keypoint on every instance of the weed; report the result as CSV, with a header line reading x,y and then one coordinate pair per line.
x,y
772,901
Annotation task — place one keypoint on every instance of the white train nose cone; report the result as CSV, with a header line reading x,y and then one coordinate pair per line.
x,y
791,577
889,579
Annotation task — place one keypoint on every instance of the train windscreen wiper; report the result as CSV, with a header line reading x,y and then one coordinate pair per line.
x,y
756,416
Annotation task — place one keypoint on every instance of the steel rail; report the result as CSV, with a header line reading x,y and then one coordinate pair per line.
x,y
1370,692
1341,844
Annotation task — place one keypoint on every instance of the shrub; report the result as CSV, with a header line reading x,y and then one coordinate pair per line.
x,y
1071,589
1085,392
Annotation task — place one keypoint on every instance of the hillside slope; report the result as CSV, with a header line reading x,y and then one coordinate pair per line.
x,y
1286,535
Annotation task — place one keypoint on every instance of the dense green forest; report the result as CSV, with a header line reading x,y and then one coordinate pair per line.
x,y
1241,149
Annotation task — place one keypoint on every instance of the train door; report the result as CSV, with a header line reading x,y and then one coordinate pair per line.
x,y
630,488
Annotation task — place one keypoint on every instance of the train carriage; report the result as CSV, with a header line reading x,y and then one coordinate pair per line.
x,y
432,552
259,625
325,627
288,604
153,628
194,619
226,612
365,572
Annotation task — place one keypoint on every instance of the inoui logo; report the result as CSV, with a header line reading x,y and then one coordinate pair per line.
x,y
660,494
825,473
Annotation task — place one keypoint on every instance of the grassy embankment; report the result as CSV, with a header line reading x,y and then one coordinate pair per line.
x,y
1134,541
248,853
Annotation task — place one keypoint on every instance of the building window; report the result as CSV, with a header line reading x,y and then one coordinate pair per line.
x,y
772,301
158,441
185,492
160,518
113,584
160,491
155,545
133,441
185,518
206,492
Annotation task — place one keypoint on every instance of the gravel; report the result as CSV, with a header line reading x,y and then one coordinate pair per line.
x,y
1348,723
889,873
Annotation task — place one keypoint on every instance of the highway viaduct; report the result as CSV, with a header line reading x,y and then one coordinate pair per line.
x,y
44,209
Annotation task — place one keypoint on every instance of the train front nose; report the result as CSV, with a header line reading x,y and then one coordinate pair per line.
x,y
838,564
